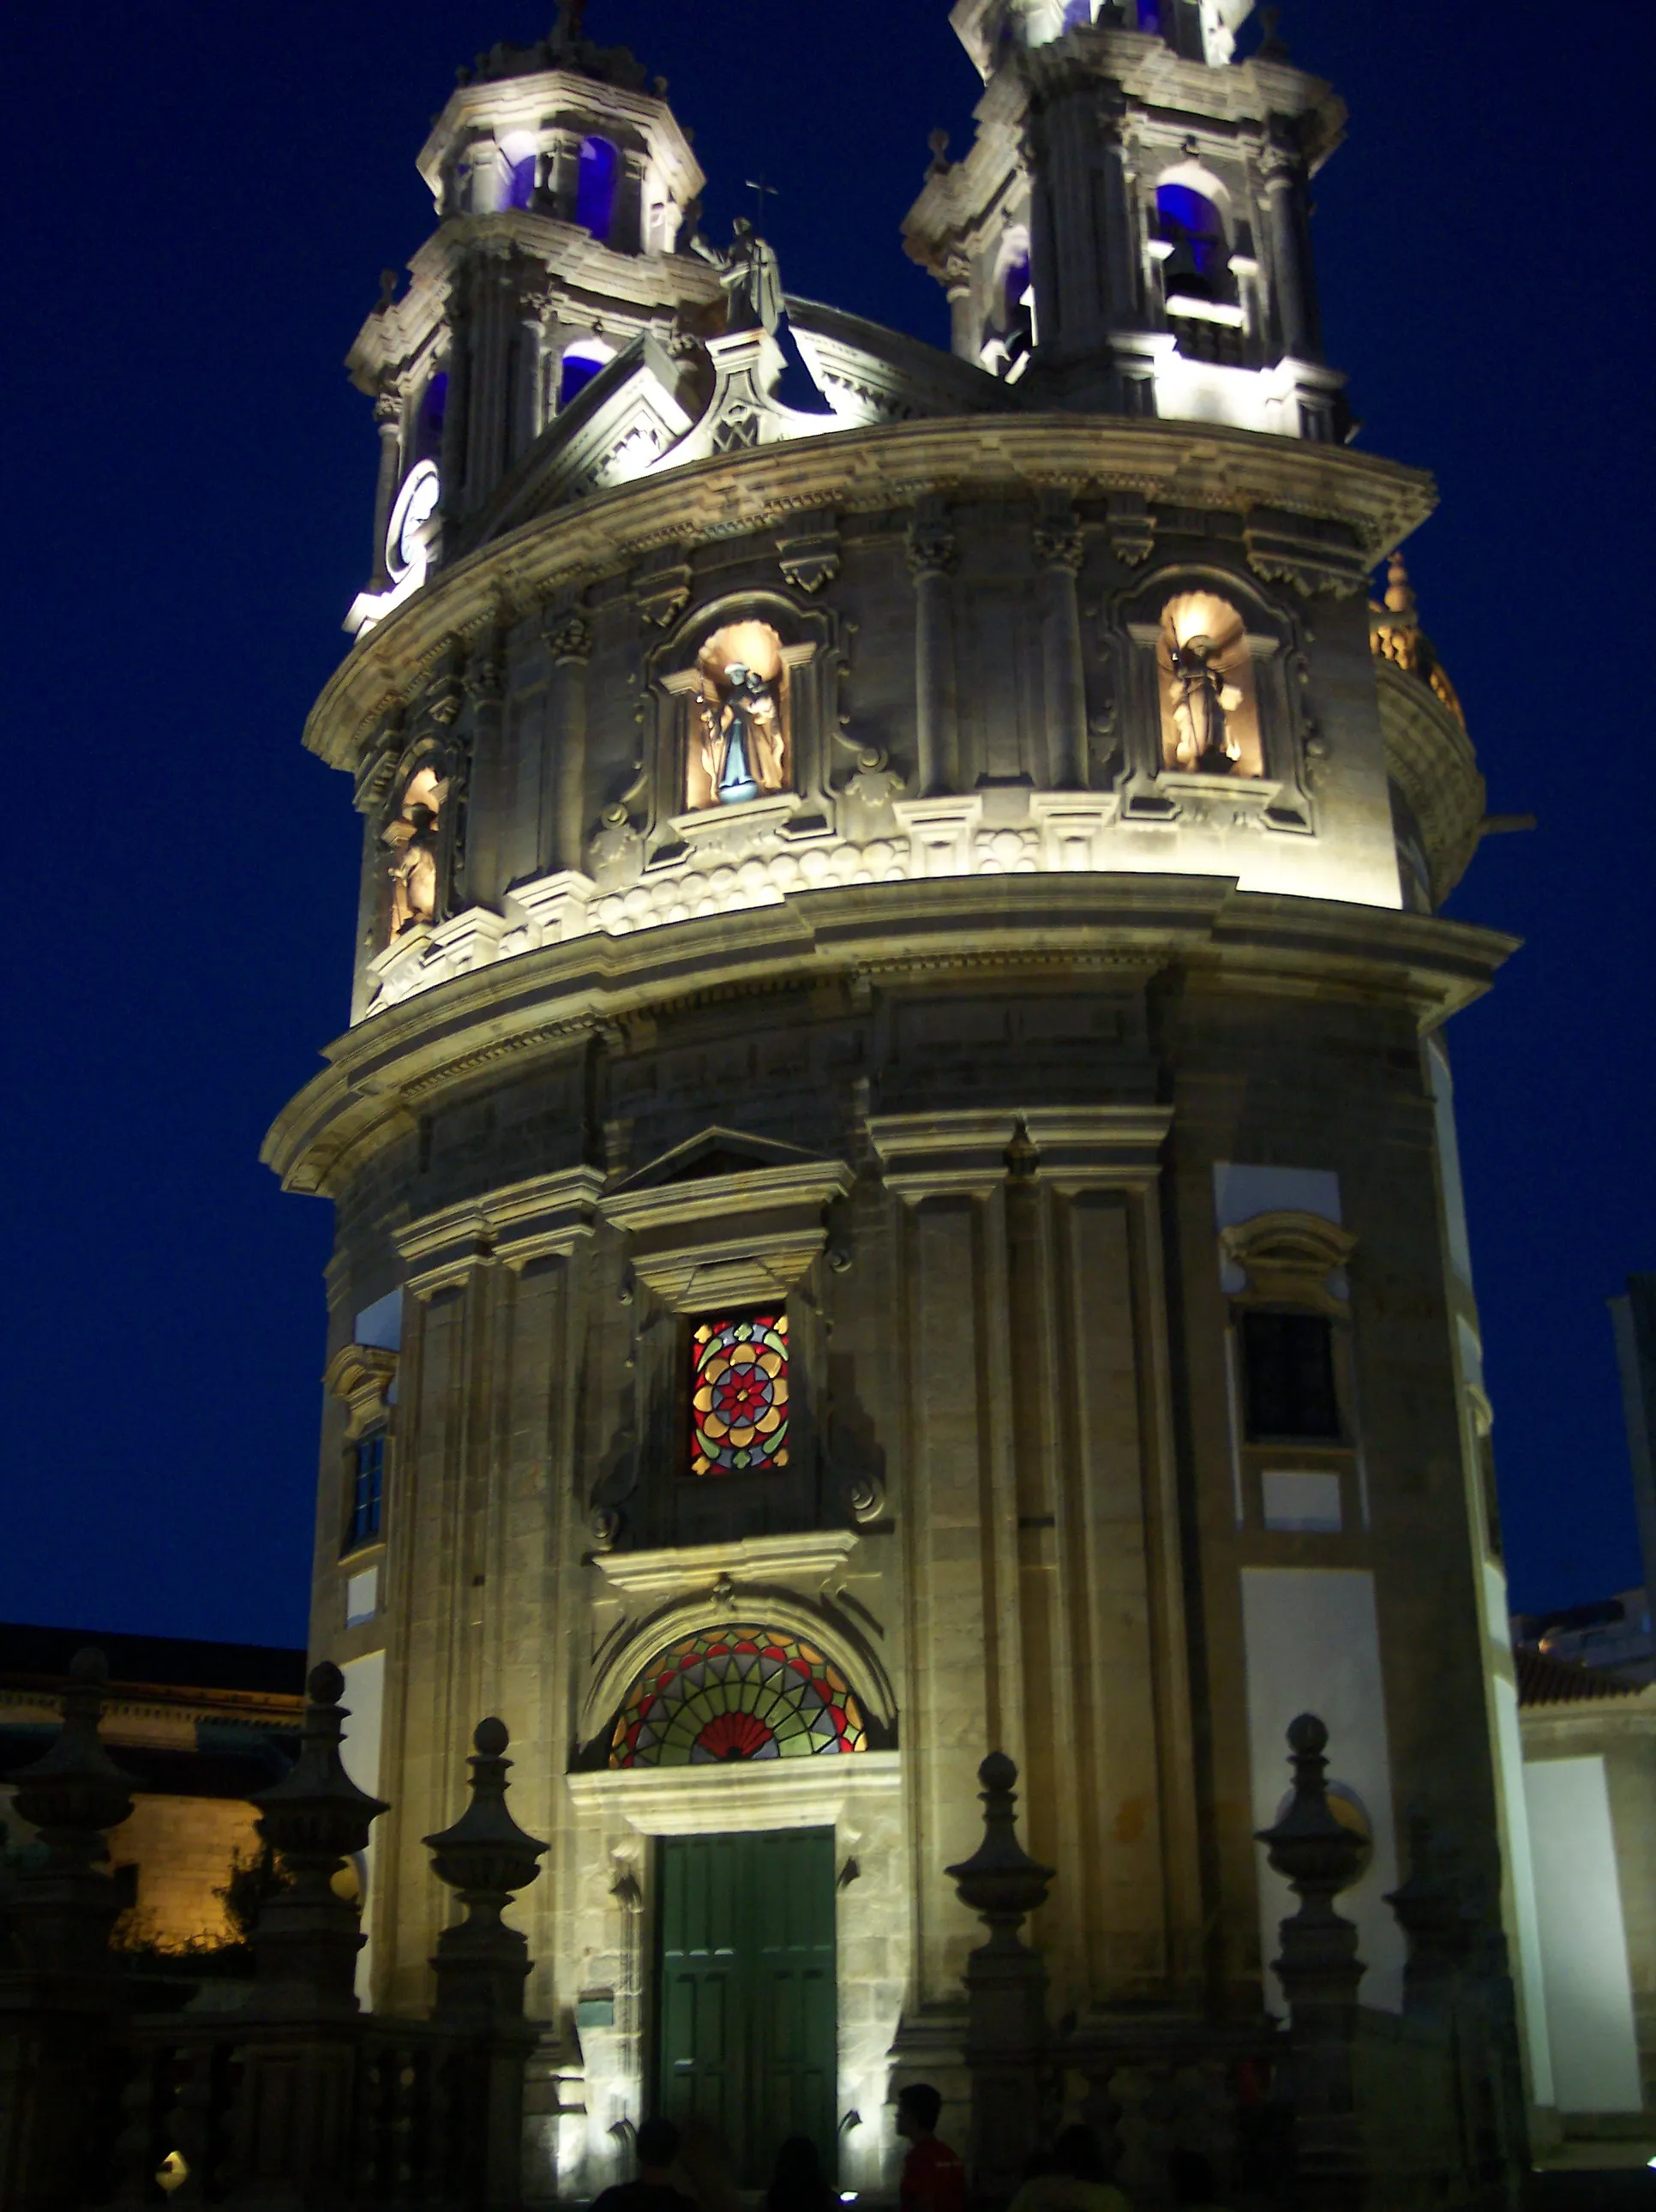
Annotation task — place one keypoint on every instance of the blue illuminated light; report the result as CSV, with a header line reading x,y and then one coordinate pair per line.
x,y
596,177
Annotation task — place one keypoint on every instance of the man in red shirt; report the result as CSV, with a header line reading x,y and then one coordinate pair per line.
x,y
934,2176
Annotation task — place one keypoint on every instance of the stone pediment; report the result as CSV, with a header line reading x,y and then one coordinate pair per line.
x,y
632,413
727,1217
722,1152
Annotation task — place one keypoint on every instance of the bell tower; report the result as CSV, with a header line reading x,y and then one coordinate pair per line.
x,y
1129,232
566,196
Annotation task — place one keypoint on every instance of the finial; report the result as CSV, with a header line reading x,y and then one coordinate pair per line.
x,y
1272,48
387,290
1399,592
938,142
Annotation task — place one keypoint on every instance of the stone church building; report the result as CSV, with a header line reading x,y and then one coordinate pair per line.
x,y
895,1164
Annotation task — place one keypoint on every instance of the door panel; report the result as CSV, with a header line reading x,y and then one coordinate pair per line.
x,y
747,2025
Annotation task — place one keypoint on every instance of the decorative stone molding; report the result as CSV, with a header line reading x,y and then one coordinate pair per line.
x,y
361,1375
808,551
736,1238
1310,554
544,1217
1374,502
692,1800
1288,1257
928,1155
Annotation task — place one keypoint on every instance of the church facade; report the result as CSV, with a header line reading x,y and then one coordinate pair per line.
x,y
895,1164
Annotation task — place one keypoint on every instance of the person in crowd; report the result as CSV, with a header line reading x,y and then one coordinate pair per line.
x,y
934,2176
656,2146
798,2183
1193,2186
703,2170
1076,2180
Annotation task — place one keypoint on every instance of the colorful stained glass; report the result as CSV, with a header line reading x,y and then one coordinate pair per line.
x,y
739,1395
735,1693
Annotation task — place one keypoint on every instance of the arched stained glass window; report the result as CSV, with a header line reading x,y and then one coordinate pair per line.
x,y
735,1693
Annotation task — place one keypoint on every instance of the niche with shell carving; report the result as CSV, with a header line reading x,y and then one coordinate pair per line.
x,y
1208,692
413,840
741,738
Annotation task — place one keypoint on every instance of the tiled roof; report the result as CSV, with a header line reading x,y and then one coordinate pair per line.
x,y
41,1656
1543,1681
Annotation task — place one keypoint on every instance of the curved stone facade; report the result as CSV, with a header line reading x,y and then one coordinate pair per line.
x,y
954,895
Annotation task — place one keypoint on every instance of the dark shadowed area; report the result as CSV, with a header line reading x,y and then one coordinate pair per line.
x,y
190,485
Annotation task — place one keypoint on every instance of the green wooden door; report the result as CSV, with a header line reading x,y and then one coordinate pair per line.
x,y
746,2026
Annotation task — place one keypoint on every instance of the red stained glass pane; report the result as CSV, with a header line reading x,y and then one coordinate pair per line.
x,y
736,1693
739,1395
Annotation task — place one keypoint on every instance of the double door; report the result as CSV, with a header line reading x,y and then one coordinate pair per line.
x,y
746,2019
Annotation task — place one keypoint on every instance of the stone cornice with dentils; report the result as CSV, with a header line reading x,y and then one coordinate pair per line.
x,y
542,1006
1190,465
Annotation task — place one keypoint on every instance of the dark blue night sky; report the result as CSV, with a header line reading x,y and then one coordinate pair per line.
x,y
200,206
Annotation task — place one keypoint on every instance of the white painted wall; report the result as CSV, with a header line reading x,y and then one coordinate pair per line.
x,y
365,1704
1313,1644
1584,1958
1509,1763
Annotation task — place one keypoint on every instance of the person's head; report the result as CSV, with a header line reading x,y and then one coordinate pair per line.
x,y
1191,2177
658,2146
798,2173
918,2107
1076,2153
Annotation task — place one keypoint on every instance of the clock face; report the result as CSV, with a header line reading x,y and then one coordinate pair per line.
x,y
406,539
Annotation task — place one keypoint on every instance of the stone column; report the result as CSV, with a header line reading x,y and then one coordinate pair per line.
x,y
458,409
388,419
563,787
493,313
1060,550
526,372
489,798
1297,320
963,332
932,556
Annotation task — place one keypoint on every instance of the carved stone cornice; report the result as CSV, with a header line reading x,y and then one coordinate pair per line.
x,y
1375,502
536,1008
544,1218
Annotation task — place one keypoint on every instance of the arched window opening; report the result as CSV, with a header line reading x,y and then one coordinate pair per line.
x,y
743,746
1210,705
736,1693
1150,16
1011,337
1077,13
597,174
519,182
429,418
581,363
1198,265
413,838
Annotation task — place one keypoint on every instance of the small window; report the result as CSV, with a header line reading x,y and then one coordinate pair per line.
x,y
739,1395
1287,1359
597,174
367,1489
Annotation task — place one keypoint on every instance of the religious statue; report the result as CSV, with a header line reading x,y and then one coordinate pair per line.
x,y
742,737
1203,701
413,839
752,281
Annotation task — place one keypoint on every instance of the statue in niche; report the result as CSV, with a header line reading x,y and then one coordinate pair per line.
x,y
413,838
742,707
1209,713
1202,701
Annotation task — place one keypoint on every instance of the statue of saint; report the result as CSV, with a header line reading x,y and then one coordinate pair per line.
x,y
742,737
752,281
1203,701
413,871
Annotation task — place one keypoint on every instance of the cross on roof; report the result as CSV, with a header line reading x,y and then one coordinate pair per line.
x,y
762,191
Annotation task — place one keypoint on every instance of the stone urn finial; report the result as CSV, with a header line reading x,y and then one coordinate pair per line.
x,y
1000,1881
66,1904
486,1857
308,1936
1317,1855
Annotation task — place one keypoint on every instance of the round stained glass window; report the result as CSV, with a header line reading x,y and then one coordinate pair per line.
x,y
735,1693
